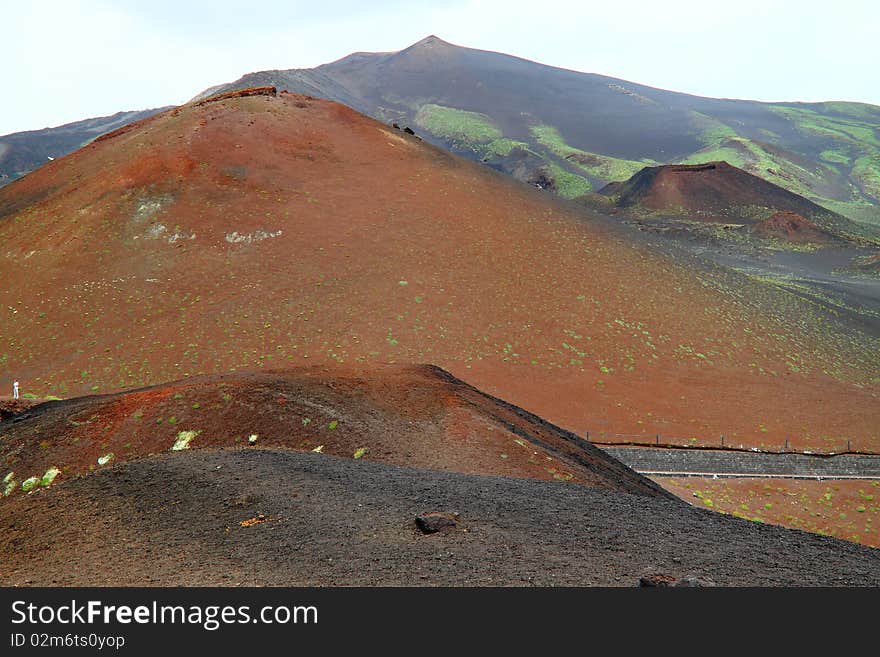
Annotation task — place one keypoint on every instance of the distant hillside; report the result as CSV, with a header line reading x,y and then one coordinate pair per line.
x,y
719,192
21,152
575,132
273,230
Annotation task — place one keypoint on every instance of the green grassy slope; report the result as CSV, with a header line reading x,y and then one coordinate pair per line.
x,y
839,168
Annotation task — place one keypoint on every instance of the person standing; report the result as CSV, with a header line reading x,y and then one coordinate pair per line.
x,y
15,389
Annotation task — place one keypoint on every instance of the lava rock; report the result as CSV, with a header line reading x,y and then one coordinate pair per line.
x,y
655,580
430,523
690,582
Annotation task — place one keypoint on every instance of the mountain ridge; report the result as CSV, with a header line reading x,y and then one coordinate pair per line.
x,y
583,130
22,152
573,132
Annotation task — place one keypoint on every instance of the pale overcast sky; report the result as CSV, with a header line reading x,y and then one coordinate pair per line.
x,y
66,60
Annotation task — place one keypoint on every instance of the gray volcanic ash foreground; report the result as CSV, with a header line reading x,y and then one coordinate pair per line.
x,y
278,517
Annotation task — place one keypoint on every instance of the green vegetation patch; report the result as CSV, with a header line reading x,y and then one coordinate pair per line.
x,y
599,166
29,484
461,127
568,185
855,110
502,147
184,438
712,131
835,156
49,476
8,484
859,130
860,211
866,172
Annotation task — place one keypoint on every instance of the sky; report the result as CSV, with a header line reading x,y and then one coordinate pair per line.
x,y
67,60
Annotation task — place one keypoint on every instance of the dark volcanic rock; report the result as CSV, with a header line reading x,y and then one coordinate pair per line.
x,y
430,523
657,580
693,582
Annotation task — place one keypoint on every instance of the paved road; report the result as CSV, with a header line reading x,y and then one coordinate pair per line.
x,y
703,462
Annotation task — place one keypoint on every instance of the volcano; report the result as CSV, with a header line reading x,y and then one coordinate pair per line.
x,y
265,230
717,191
574,132
569,132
